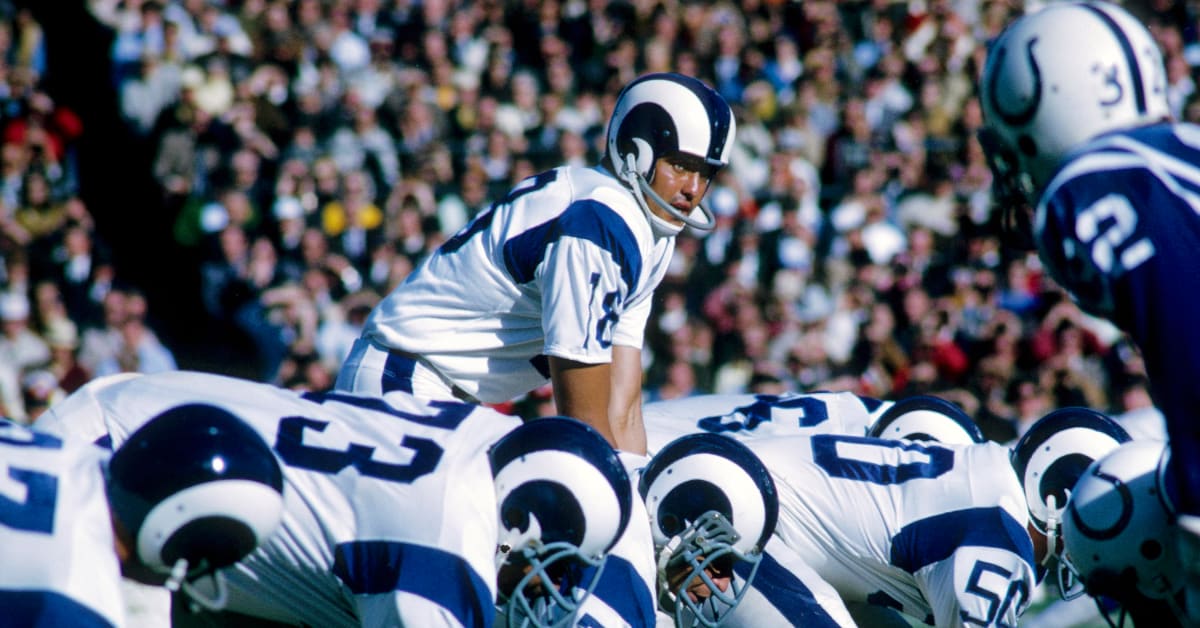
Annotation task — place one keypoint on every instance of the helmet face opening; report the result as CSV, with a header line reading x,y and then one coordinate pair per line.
x,y
544,585
704,555
712,506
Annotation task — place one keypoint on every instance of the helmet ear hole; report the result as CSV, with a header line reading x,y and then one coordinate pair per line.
x,y
1027,145
216,541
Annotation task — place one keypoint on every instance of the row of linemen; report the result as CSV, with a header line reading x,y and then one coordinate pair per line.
x,y
556,280
256,503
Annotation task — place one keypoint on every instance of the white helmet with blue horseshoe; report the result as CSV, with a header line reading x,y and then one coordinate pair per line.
x,y
663,115
712,506
564,499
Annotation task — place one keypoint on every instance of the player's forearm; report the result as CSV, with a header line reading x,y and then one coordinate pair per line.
x,y
625,402
581,391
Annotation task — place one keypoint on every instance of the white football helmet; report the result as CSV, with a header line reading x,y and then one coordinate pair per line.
x,y
1049,458
926,417
1053,80
564,499
662,115
1066,73
1118,530
197,489
712,504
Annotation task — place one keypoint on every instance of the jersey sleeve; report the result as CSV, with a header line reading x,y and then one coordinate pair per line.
x,y
631,328
589,270
56,538
978,586
786,591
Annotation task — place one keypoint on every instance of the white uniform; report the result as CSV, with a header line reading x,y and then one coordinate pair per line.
x,y
625,593
936,532
390,515
564,266
746,416
58,565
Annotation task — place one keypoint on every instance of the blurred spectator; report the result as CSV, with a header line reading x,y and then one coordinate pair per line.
x,y
309,153
63,339
20,346
40,389
137,348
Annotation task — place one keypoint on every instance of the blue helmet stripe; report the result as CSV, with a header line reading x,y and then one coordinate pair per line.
x,y
1135,71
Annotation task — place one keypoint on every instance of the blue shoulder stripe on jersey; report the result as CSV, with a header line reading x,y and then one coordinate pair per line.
x,y
935,538
623,590
787,593
588,220
870,403
397,373
374,567
47,608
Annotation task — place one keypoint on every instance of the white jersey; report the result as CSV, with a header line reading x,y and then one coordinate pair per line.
x,y
624,597
745,416
58,565
564,266
936,532
389,507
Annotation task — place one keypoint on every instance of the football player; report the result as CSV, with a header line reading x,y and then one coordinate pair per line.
x,y
1077,127
871,527
554,282
398,511
186,494
750,416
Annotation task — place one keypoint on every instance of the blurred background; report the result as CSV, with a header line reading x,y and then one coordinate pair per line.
x,y
231,185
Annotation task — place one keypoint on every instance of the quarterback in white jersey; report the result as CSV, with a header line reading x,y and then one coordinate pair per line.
x,y
390,510
934,531
554,281
59,566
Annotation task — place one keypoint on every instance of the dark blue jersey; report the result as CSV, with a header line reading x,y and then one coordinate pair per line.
x,y
1119,228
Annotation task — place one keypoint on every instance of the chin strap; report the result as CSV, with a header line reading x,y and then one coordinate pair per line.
x,y
178,575
219,598
662,228
179,581
1052,526
666,596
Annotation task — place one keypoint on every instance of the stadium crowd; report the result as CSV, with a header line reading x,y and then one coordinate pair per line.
x,y
307,153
